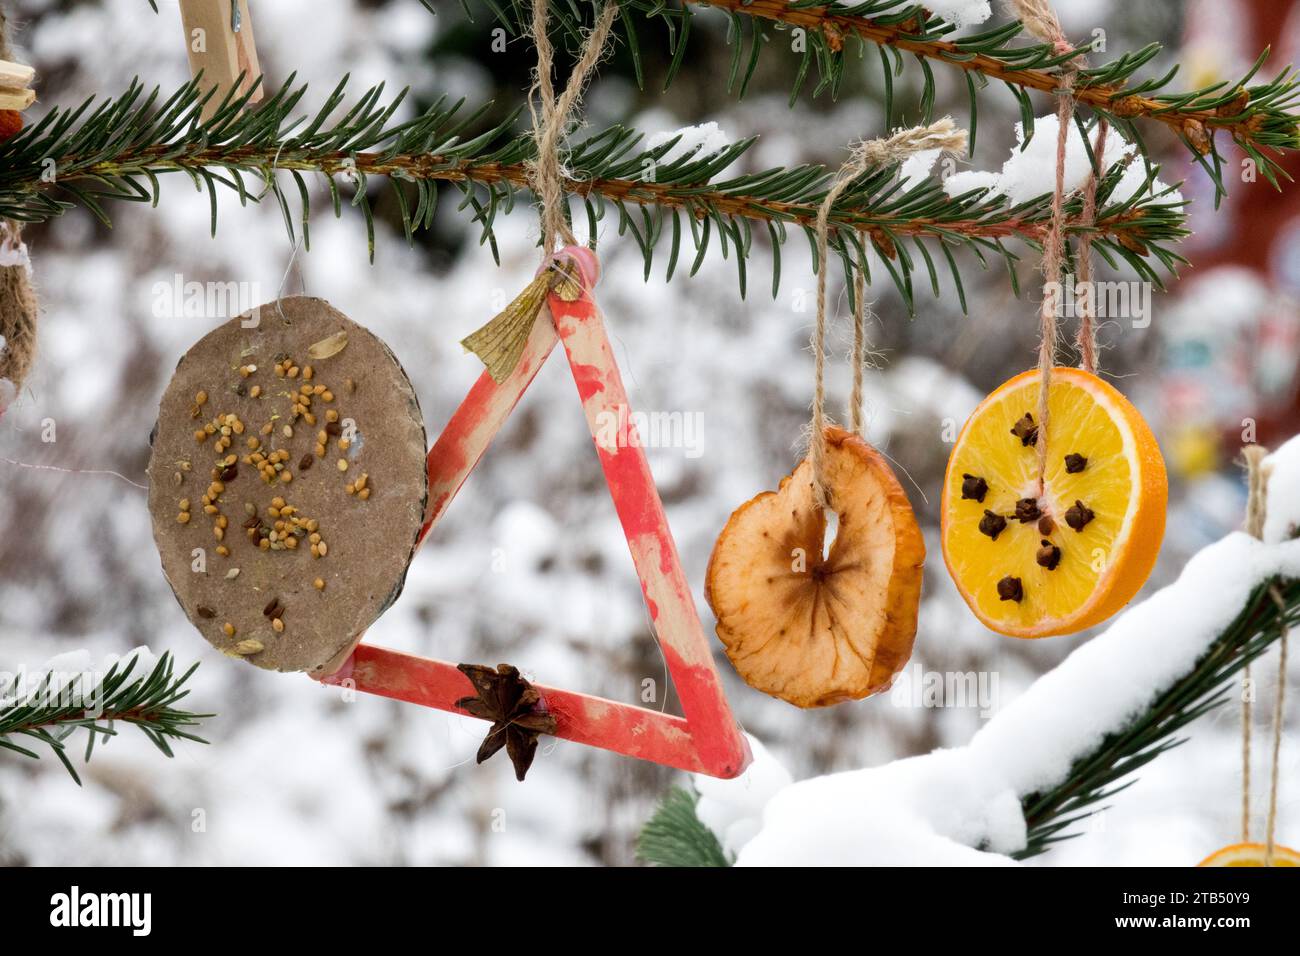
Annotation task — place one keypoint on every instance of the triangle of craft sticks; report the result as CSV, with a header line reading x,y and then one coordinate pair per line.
x,y
706,739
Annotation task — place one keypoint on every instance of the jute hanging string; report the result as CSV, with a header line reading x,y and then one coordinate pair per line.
x,y
1256,512
500,343
1041,22
1086,339
943,135
18,304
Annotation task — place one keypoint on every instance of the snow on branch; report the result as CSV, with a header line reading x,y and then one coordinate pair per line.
x,y
969,805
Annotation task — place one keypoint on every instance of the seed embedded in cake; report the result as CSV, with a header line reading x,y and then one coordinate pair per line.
x,y
277,625
232,574
307,373
364,494
205,612
223,551
249,646
343,464
255,391
319,584
228,629
183,518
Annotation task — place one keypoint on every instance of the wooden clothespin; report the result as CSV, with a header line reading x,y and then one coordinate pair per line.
x,y
15,86
219,37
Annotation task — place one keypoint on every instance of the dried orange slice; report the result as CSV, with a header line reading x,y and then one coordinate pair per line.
x,y
1031,562
1251,854
810,625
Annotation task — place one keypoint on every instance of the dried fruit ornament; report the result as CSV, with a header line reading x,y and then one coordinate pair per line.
x,y
1053,504
1031,559
1251,854
811,624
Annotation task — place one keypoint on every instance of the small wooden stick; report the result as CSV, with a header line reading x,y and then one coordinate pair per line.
x,y
15,83
219,38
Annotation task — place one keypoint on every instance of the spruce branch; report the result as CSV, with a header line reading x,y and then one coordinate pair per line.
x,y
50,714
1259,118
675,836
119,149
1096,777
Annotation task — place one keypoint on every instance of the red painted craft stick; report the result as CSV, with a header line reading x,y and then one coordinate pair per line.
x,y
707,739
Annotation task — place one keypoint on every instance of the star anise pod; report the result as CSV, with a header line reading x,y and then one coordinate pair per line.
x,y
512,704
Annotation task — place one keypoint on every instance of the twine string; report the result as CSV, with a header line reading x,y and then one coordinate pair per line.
x,y
943,135
1052,255
1040,21
859,341
1256,512
1086,339
500,343
552,118
1253,456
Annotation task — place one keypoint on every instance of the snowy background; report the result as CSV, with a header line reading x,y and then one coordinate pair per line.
x,y
529,565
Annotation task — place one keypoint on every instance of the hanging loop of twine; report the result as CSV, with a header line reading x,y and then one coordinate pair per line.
x,y
1086,339
860,357
500,343
19,307
1040,21
943,135
1256,512
552,118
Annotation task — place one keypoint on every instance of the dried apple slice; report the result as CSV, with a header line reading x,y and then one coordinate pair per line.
x,y
812,626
